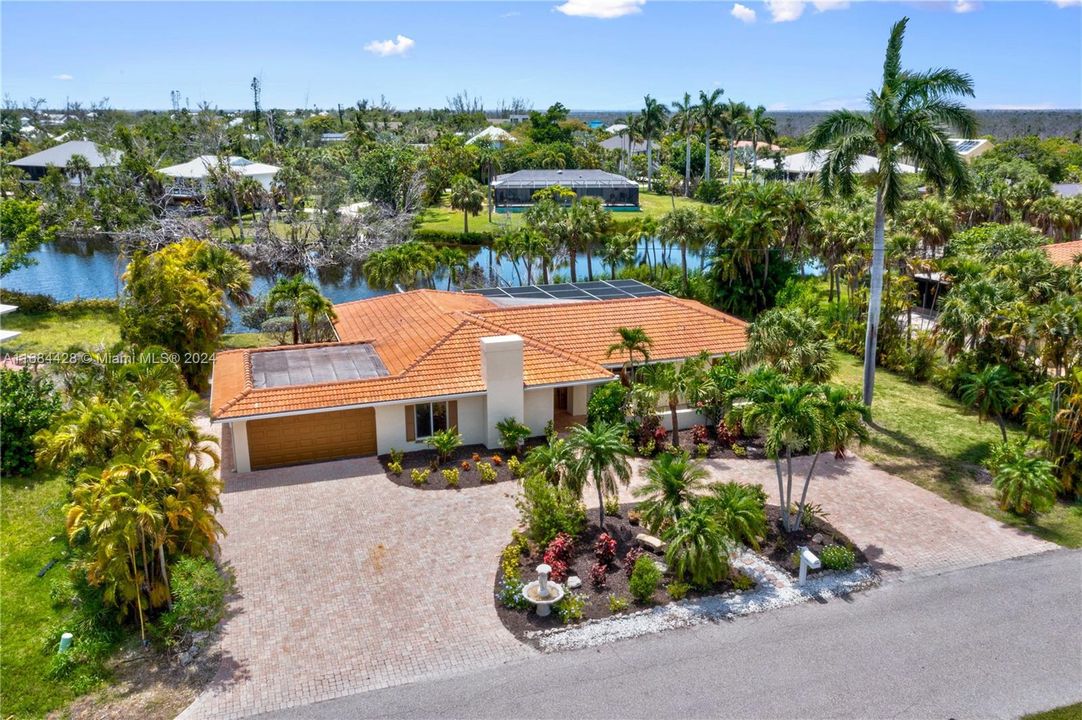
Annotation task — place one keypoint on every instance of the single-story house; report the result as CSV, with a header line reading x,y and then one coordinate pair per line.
x,y
761,147
803,165
190,178
516,190
622,143
59,156
409,364
496,136
1063,253
970,148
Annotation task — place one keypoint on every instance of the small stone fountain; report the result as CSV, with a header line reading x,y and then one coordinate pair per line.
x,y
542,593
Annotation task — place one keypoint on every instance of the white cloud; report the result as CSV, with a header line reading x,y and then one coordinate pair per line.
x,y
63,76
789,10
384,48
743,13
603,9
964,6
513,13
1067,3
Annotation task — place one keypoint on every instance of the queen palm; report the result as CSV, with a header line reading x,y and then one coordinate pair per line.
x,y
845,417
684,227
738,510
632,340
654,117
313,307
634,135
672,485
297,294
711,111
732,121
757,125
601,457
587,221
678,382
467,196
554,460
906,121
686,120
619,249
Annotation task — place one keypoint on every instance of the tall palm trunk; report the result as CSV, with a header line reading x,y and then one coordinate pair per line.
x,y
754,155
687,165
706,170
600,506
573,253
589,263
649,164
684,263
732,156
875,298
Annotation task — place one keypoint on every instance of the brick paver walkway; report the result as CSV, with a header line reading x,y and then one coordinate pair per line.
x,y
348,582
901,527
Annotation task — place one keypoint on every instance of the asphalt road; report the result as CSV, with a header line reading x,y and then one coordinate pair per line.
x,y
994,641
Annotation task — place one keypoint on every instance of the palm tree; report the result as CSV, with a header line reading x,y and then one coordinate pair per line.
x,y
654,116
555,461
678,382
673,484
587,222
758,125
313,306
634,135
991,391
739,510
682,226
711,111
300,296
791,417
467,196
601,454
732,121
455,260
792,342
686,120
844,418
906,122
632,340
225,271
697,549
619,249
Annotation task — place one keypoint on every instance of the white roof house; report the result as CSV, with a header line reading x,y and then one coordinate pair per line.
x,y
617,128
8,334
806,164
971,148
496,136
60,156
193,173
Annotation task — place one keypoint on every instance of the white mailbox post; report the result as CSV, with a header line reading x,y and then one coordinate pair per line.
x,y
808,559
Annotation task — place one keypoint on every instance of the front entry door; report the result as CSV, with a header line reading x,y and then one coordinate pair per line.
x,y
561,399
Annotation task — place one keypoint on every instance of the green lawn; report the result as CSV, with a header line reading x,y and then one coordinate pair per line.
x,y
921,434
1068,712
31,513
247,340
59,330
445,220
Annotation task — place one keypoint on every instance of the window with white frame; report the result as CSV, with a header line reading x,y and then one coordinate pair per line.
x,y
429,418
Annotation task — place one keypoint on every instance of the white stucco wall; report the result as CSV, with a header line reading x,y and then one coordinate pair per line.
x,y
537,409
685,416
391,430
578,398
501,370
471,420
241,457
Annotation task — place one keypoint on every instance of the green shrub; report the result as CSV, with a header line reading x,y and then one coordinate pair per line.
x,y
644,579
509,558
396,456
510,595
740,511
570,608
28,303
702,450
512,433
618,604
1024,483
740,451
445,442
451,476
741,582
612,506
27,404
677,590
547,510
488,473
514,466
606,405
199,592
837,557
419,476
394,467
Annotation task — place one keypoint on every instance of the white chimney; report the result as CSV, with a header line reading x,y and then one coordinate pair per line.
x,y
501,371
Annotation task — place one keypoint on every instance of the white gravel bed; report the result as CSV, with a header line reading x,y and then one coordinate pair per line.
x,y
775,589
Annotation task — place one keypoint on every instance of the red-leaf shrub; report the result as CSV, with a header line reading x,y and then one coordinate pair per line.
x,y
597,575
629,560
698,434
561,549
605,549
661,435
728,435
558,572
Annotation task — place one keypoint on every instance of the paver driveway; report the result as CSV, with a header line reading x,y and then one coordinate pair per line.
x,y
348,583
902,528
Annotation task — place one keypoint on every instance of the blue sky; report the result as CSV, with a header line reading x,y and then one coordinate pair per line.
x,y
784,54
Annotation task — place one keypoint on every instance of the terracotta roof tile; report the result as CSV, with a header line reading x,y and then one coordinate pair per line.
x,y
1063,253
430,343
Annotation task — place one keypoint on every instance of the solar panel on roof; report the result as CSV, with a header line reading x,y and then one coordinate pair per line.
x,y
590,290
625,283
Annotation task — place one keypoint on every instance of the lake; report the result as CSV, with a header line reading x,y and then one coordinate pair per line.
x,y
92,268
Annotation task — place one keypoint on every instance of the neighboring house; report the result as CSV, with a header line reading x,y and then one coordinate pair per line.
x,y
8,334
515,119
409,364
971,148
497,137
1063,253
802,165
329,138
617,128
1067,189
59,156
514,191
617,142
190,179
763,148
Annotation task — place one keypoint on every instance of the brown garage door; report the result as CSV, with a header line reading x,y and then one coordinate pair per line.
x,y
311,438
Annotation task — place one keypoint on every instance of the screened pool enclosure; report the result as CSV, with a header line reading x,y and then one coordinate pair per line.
x,y
515,191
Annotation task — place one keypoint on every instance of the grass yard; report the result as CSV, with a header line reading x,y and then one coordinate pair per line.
x,y
1068,712
445,220
921,434
31,512
231,341
60,329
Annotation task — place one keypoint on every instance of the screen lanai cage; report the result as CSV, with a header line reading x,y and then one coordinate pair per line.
x,y
516,190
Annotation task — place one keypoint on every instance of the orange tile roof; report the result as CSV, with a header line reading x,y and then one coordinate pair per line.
x,y
430,343
1063,253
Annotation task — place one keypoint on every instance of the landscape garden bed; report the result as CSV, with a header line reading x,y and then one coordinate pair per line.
x,y
469,460
778,547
